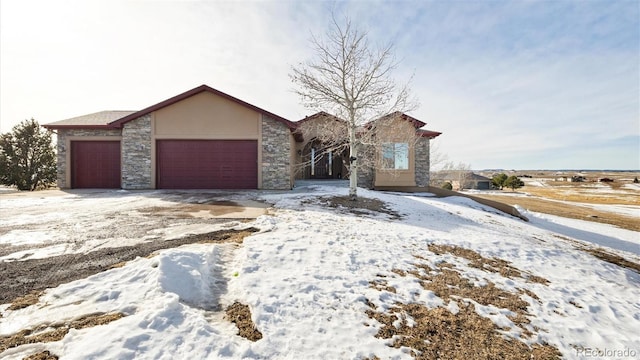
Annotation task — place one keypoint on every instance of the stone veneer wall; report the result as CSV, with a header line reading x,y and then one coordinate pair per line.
x,y
422,161
136,153
276,155
62,135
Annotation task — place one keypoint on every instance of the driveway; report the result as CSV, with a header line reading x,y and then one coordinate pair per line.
x,y
51,237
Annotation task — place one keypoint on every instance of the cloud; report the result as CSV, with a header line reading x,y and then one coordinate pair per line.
x,y
507,82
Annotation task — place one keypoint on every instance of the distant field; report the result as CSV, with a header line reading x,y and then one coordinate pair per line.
x,y
615,203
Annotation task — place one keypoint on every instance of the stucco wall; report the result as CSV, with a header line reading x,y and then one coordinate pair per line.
x,y
276,155
398,131
64,139
136,154
206,115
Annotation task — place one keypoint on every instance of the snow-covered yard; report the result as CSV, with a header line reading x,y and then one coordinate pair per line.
x,y
319,279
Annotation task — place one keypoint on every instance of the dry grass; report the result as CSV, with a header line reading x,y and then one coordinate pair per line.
x,y
480,262
43,355
584,193
240,315
568,210
613,259
55,332
602,254
25,301
381,285
449,284
437,333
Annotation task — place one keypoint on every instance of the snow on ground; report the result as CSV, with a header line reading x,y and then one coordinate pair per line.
x,y
306,277
632,186
588,232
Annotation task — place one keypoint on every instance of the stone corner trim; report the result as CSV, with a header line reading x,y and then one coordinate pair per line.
x,y
276,150
136,154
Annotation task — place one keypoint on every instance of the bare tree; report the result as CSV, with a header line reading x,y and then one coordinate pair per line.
x,y
437,162
458,174
352,80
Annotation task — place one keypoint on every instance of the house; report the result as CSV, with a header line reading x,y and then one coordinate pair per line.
x,y
399,158
206,139
478,182
463,179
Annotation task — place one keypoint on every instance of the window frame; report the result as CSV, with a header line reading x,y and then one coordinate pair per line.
x,y
395,156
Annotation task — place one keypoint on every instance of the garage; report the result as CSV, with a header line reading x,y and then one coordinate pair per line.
x,y
207,164
95,164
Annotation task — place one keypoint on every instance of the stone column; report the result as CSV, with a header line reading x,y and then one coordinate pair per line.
x,y
136,153
276,155
422,161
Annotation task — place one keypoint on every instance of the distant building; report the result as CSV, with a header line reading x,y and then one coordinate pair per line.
x,y
461,180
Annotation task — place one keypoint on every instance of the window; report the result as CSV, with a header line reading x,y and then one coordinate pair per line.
x,y
395,156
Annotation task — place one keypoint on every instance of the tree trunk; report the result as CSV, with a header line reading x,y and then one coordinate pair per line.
x,y
353,158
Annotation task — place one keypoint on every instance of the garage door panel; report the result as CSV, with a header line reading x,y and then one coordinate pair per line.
x,y
95,164
207,164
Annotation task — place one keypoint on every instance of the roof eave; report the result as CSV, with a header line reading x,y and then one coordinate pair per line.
x,y
429,134
56,127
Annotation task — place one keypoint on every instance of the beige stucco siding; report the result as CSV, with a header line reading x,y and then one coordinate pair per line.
x,y
398,177
402,132
207,115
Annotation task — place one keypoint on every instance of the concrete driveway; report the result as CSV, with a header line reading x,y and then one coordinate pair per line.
x,y
54,222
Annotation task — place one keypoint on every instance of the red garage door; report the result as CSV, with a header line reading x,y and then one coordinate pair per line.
x,y
95,164
207,164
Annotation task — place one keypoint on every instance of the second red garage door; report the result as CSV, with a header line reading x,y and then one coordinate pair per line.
x,y
207,164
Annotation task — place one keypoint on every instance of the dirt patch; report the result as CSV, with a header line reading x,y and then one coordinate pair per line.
x,y
22,277
56,331
225,209
43,355
240,315
360,206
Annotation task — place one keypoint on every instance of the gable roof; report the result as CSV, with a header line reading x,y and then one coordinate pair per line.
x,y
415,122
319,115
202,88
99,119
116,119
397,114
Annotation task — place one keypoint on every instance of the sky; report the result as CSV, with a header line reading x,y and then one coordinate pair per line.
x,y
510,84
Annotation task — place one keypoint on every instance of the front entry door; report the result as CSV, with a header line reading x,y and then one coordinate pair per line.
x,y
321,167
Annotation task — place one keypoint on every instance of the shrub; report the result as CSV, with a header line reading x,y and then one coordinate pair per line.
x,y
27,159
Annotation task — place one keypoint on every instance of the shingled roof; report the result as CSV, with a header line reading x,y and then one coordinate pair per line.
x,y
99,119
